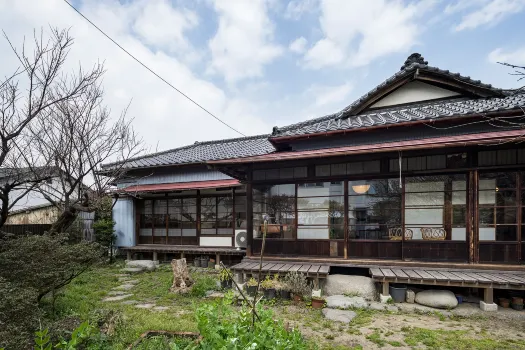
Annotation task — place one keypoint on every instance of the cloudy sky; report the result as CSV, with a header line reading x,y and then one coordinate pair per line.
x,y
257,64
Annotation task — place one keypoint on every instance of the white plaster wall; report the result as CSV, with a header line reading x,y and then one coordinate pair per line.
x,y
414,91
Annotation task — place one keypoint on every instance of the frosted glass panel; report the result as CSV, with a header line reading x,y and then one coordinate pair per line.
x,y
424,199
459,234
145,232
487,234
159,232
189,232
312,233
424,186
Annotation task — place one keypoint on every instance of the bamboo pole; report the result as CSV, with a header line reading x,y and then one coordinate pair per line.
x,y
265,229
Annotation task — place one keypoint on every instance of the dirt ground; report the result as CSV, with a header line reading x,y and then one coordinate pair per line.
x,y
385,330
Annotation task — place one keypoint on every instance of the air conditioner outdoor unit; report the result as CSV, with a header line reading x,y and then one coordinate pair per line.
x,y
240,238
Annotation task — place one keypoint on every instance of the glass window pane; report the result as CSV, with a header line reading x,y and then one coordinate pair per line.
x,y
373,232
505,216
506,233
459,215
320,189
486,216
428,216
506,198
497,180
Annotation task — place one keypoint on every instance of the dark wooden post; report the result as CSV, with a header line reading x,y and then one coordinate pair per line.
x,y
249,214
198,214
520,216
345,220
137,210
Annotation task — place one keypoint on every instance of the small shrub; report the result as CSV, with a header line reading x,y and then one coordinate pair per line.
x,y
267,283
252,282
223,328
297,283
224,275
202,285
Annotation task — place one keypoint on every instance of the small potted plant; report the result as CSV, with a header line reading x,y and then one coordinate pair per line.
x,y
318,302
211,264
281,288
251,286
269,288
297,284
224,277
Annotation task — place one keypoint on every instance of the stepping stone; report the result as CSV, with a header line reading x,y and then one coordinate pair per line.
x,y
149,265
132,281
129,302
117,297
343,302
144,306
116,292
345,316
132,269
161,308
122,275
214,294
124,287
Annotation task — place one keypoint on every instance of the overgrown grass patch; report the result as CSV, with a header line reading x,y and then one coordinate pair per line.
x,y
455,340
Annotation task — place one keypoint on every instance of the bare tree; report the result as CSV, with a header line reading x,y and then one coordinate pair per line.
x,y
78,136
29,94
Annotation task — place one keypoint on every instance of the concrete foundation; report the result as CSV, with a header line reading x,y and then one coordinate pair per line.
x,y
384,298
488,307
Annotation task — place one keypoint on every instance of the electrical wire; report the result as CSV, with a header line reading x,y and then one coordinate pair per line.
x,y
151,71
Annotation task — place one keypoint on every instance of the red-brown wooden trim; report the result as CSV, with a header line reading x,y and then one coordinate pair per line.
x,y
345,220
198,218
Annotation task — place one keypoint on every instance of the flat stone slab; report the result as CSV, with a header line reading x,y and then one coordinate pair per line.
x,y
122,275
214,294
149,265
117,292
124,287
131,281
374,305
132,269
145,306
117,297
347,284
342,302
129,302
345,316
161,308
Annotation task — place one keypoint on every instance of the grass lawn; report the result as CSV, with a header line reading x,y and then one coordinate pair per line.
x,y
122,324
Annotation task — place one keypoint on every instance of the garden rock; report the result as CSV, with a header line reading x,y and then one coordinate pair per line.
x,y
441,299
410,296
116,292
132,269
129,302
355,285
345,316
375,305
343,302
117,297
148,265
161,308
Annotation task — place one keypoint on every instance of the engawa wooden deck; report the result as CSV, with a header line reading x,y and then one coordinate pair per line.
x,y
315,271
190,249
487,280
451,277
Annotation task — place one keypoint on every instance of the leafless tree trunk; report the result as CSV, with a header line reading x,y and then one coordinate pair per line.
x,y
28,96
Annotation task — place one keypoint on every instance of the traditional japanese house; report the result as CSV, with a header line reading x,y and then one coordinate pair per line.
x,y
425,170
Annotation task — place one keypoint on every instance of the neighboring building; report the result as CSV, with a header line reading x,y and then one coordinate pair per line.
x,y
424,167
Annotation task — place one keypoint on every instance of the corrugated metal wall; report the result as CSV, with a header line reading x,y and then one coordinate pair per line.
x,y
183,175
124,217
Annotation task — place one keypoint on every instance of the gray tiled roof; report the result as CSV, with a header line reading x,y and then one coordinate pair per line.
x,y
200,152
423,111
347,118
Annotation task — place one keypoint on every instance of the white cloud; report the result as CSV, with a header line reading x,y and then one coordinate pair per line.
x,y
296,8
161,25
355,33
330,95
298,45
243,44
516,57
161,116
485,12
